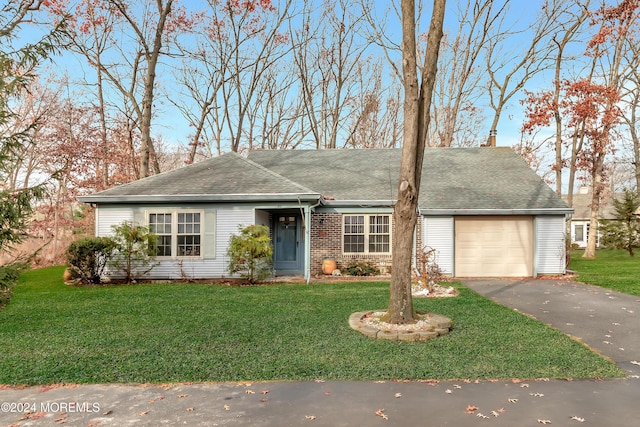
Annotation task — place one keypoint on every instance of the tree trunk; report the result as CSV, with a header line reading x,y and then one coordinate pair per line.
x,y
416,122
146,143
596,196
103,127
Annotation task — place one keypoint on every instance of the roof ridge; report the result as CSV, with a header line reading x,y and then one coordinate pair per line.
x,y
275,174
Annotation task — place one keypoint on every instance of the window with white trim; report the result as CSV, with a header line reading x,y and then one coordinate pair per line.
x,y
366,234
179,233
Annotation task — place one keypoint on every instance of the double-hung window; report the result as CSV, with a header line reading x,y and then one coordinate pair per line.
x,y
179,233
366,234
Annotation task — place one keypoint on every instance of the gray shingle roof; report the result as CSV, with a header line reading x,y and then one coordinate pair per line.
x,y
453,179
469,180
340,174
228,177
465,179
582,205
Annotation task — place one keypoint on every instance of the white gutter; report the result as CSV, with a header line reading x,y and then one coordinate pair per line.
x,y
532,211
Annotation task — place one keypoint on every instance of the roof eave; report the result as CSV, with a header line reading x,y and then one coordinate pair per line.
x,y
351,203
219,198
531,211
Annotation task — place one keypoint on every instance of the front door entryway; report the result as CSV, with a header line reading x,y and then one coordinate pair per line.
x,y
288,245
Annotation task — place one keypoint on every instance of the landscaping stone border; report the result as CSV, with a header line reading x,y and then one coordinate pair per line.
x,y
438,325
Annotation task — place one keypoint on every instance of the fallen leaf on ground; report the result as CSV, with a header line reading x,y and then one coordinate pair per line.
x,y
381,414
189,409
250,392
524,385
93,424
310,417
635,362
536,394
457,386
319,381
480,415
448,391
495,414
513,400
109,412
578,419
50,387
144,413
327,393
264,392
544,421
226,407
471,409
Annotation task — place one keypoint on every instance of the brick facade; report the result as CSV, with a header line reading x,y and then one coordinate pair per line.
x,y
326,242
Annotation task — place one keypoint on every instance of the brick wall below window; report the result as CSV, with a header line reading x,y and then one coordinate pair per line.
x,y
326,242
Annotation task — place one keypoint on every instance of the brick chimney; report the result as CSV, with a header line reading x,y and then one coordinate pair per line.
x,y
492,138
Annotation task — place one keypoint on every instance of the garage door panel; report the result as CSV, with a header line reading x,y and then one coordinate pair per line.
x,y
493,246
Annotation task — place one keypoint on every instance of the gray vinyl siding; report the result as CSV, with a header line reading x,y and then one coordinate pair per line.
x,y
219,223
550,244
437,232
213,264
107,217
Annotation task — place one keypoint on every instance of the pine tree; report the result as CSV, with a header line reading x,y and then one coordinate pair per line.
x,y
18,66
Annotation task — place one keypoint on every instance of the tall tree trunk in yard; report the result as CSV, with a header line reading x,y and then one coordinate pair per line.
x,y
417,104
147,149
598,187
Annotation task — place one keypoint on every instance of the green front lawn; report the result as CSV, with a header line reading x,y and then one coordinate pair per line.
x,y
53,333
613,269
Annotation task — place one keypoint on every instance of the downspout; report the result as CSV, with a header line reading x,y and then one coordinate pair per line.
x,y
307,235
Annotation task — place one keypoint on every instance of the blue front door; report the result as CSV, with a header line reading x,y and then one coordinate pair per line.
x,y
288,245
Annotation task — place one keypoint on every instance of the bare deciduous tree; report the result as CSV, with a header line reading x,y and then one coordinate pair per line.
x,y
510,67
417,104
328,54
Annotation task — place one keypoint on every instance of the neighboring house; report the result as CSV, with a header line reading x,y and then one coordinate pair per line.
x,y
483,209
582,215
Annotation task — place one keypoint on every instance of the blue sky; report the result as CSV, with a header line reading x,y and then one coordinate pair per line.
x,y
174,129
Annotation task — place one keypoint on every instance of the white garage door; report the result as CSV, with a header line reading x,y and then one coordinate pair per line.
x,y
494,246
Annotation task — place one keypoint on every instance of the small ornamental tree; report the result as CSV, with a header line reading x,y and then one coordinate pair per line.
x,y
250,253
88,257
135,250
623,232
